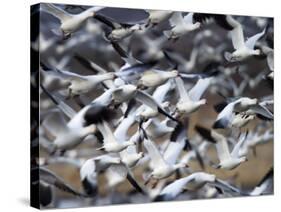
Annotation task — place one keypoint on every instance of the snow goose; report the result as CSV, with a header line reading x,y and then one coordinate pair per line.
x,y
253,139
157,129
181,25
50,178
157,16
159,96
118,173
161,168
129,156
67,134
243,105
81,124
111,144
69,23
90,169
79,84
239,120
243,49
129,91
227,160
180,62
191,102
194,181
118,31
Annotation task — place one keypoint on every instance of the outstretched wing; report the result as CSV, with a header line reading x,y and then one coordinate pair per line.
x,y
154,154
237,35
251,42
50,177
56,11
200,87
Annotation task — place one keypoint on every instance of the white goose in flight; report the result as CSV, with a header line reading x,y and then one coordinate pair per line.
x,y
69,23
191,102
193,182
129,156
157,16
181,25
111,143
228,160
243,49
79,84
162,168
90,169
245,105
159,96
67,134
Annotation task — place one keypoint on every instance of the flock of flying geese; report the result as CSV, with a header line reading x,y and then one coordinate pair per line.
x,y
141,111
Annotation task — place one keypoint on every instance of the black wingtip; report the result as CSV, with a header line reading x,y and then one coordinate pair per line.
x,y
135,184
160,198
48,94
90,189
220,106
205,133
219,124
160,110
98,113
187,145
177,130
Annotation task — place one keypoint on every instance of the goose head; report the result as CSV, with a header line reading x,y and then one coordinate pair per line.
x,y
129,143
173,73
196,25
237,55
136,27
202,102
243,159
256,52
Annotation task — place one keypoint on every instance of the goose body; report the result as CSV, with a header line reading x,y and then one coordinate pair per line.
x,y
155,78
243,49
69,23
191,102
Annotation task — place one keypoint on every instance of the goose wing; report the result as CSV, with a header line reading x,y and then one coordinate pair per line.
x,y
225,186
251,42
221,146
57,100
172,190
262,110
51,178
150,102
122,129
238,145
161,91
55,123
173,151
181,89
198,90
154,154
117,173
225,116
176,19
106,132
237,35
56,11
188,18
